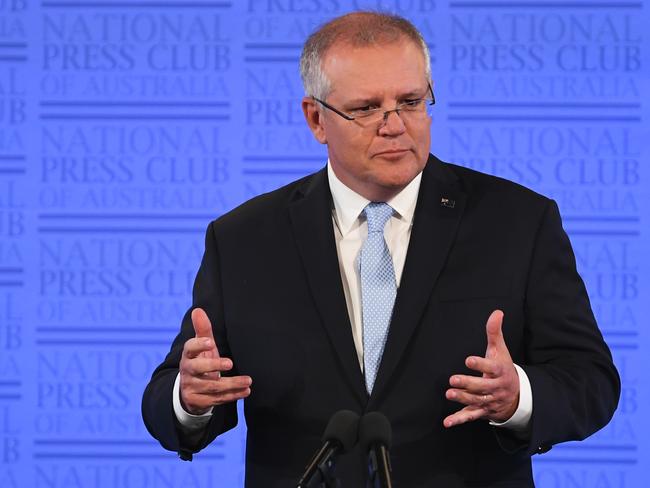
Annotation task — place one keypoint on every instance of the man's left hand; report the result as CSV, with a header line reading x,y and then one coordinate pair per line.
x,y
495,394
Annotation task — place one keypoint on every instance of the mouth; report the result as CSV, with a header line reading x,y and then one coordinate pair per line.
x,y
392,153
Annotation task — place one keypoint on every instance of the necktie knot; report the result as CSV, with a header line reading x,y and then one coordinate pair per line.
x,y
377,214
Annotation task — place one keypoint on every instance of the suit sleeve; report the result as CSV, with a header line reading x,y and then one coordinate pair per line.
x,y
574,382
157,408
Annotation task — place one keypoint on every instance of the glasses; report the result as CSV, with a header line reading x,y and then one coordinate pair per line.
x,y
415,110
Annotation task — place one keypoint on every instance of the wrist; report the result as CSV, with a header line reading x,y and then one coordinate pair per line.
x,y
193,410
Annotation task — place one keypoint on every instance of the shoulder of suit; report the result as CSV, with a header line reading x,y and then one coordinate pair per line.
x,y
264,207
482,185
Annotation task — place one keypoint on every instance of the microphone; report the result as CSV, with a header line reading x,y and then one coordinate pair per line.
x,y
375,437
339,437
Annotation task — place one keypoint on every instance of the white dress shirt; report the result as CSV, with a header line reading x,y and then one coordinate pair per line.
x,y
350,231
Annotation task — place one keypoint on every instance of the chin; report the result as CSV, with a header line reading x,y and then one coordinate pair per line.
x,y
395,183
403,174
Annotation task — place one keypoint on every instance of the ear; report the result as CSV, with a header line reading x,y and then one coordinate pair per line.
x,y
314,118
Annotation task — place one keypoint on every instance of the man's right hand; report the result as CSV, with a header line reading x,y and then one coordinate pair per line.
x,y
202,385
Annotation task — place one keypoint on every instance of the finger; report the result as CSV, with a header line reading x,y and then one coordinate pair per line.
x,y
467,414
222,385
233,396
200,365
202,402
226,397
203,329
201,323
485,400
495,340
197,346
486,366
474,384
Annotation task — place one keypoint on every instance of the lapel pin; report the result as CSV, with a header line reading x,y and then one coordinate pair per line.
x,y
446,202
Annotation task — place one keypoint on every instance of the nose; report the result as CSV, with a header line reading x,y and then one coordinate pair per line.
x,y
392,125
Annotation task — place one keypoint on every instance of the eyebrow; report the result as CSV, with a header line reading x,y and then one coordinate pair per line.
x,y
415,93
362,101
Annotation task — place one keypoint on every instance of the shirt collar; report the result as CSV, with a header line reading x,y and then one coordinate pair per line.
x,y
348,204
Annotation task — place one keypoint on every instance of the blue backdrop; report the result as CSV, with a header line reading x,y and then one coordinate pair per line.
x,y
126,126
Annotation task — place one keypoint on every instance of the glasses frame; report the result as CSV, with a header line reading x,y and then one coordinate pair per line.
x,y
386,113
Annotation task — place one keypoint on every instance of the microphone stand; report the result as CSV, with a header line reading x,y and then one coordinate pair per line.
x,y
328,480
326,471
379,468
339,437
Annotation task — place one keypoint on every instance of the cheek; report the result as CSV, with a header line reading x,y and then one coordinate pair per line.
x,y
423,143
340,139
356,150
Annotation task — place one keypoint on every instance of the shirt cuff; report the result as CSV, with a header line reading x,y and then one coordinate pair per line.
x,y
187,420
520,420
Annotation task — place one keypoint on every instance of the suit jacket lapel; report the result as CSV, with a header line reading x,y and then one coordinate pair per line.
x,y
435,223
311,221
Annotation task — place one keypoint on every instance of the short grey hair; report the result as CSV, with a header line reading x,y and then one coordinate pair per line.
x,y
356,29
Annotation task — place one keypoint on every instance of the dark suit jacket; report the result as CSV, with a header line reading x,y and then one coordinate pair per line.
x,y
270,283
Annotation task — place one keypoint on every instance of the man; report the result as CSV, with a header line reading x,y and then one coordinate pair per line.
x,y
391,281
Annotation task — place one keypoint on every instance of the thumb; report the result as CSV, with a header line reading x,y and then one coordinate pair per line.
x,y
495,341
203,328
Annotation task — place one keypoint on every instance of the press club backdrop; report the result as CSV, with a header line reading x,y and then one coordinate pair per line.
x,y
126,126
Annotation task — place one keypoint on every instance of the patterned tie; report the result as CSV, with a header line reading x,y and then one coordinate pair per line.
x,y
378,289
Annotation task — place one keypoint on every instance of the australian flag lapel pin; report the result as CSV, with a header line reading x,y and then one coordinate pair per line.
x,y
447,202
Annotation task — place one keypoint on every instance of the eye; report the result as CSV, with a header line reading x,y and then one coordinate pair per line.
x,y
408,104
365,108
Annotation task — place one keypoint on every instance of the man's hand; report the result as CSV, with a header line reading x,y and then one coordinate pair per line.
x,y
202,386
495,394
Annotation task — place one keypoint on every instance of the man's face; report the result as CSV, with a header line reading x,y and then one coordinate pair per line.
x,y
376,161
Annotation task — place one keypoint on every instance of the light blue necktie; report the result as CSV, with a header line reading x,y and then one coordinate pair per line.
x,y
378,289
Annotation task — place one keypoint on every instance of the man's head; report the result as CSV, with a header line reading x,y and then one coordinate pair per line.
x,y
362,61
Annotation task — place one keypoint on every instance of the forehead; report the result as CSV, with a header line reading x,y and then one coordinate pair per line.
x,y
381,70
